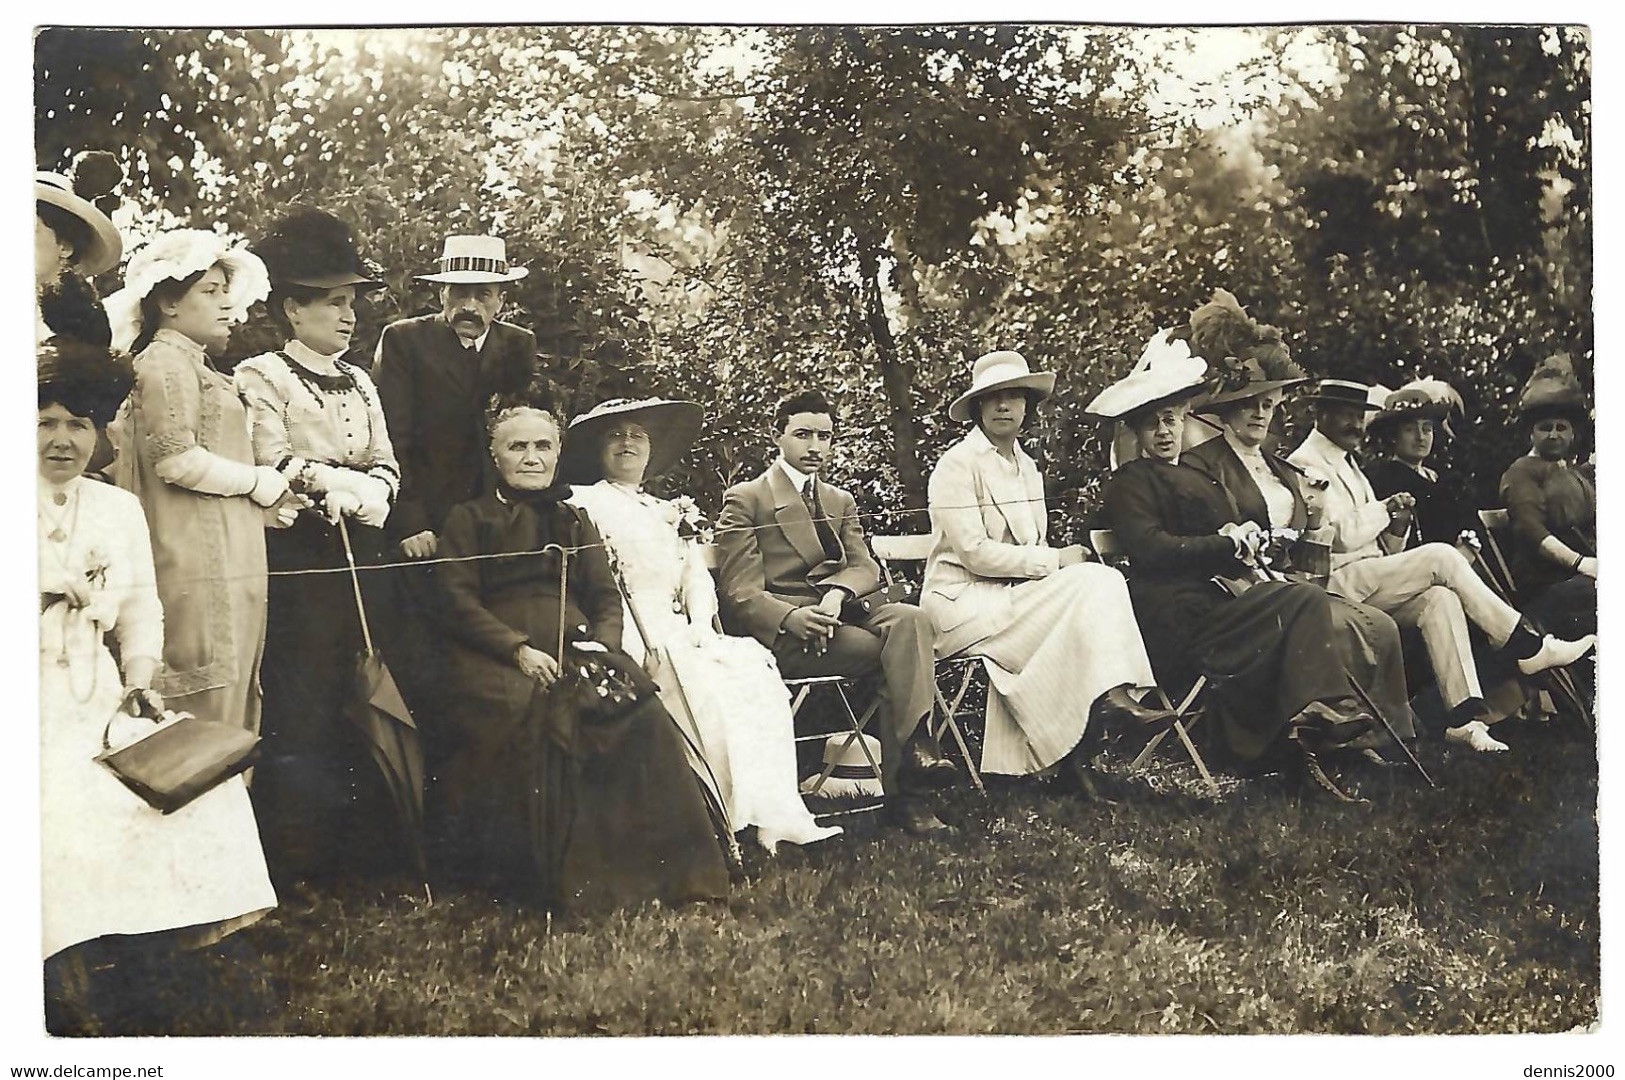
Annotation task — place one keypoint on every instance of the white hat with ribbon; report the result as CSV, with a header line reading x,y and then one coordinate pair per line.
x,y
474,260
850,774
178,254
1002,370
1165,370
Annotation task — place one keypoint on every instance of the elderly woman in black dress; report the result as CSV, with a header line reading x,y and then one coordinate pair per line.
x,y
566,779
1265,645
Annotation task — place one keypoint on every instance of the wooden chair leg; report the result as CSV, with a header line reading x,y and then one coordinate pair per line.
x,y
1196,758
950,712
1156,740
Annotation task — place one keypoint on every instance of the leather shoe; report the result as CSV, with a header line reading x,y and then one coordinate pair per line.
x,y
913,818
924,768
1116,710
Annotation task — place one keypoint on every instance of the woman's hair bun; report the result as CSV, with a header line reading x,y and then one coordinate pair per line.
x,y
96,176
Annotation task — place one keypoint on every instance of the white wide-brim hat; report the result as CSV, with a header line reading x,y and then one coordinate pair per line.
x,y
474,260
850,774
106,247
1003,370
672,428
1166,370
179,254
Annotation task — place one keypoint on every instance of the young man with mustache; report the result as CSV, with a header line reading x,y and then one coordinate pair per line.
x,y
1430,587
435,374
793,556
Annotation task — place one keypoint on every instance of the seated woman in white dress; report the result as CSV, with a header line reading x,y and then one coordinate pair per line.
x,y
1062,649
122,882
725,691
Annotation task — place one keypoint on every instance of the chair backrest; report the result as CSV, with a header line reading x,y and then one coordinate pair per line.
x,y
1495,520
711,556
1104,542
915,547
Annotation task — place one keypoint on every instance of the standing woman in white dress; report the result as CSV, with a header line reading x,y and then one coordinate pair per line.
x,y
727,690
120,880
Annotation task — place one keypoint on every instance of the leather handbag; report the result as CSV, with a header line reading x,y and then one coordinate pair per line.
x,y
180,760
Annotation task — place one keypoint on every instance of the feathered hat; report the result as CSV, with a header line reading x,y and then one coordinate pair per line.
x,y
87,194
1246,357
1429,398
1552,390
179,254
1166,371
310,247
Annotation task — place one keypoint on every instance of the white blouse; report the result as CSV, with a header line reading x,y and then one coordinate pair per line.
x,y
1277,496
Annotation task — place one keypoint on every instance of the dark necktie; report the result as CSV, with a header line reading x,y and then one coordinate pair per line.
x,y
826,534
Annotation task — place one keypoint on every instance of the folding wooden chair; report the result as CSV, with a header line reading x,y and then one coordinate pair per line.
x,y
800,691
916,547
1498,572
1188,713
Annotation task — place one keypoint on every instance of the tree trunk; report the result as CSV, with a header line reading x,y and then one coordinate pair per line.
x,y
897,376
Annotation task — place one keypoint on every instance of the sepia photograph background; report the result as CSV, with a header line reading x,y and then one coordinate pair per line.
x,y
709,211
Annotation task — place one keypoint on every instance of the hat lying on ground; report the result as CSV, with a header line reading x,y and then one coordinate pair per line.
x,y
851,774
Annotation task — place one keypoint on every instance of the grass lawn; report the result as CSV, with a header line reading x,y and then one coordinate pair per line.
x,y
1471,908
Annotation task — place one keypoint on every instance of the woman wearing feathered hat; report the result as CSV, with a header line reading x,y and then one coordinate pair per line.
x,y
1057,633
1552,502
727,689
316,418
121,882
1250,373
1268,648
1405,433
74,240
184,450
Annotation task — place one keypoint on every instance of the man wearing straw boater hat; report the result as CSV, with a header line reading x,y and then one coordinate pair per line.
x,y
435,374
1431,587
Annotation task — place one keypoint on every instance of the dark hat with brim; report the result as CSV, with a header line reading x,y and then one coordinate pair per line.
x,y
1553,390
90,380
313,249
672,427
1343,392
1423,399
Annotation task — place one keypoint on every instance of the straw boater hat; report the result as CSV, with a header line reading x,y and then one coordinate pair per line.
x,y
93,378
1553,390
1344,392
850,774
1429,398
312,248
1002,370
179,254
95,176
474,260
672,427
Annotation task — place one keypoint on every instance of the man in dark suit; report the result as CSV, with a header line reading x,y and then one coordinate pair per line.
x,y
793,559
435,374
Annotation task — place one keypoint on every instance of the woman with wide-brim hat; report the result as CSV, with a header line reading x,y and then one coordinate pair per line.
x,y
185,451
1250,373
1056,632
1266,646
74,240
123,885
316,418
1552,502
726,690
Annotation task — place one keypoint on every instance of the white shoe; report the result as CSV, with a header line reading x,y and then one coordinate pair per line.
x,y
1476,734
1555,652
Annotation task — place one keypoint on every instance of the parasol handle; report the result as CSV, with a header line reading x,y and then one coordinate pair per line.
x,y
564,599
355,583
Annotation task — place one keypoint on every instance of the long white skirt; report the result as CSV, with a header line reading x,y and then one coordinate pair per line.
x,y
111,863
1066,639
727,694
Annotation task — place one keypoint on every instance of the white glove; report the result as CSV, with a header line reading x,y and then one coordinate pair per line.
x,y
1248,537
373,494
337,503
269,486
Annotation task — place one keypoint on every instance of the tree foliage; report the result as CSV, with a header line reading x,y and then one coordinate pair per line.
x,y
729,212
